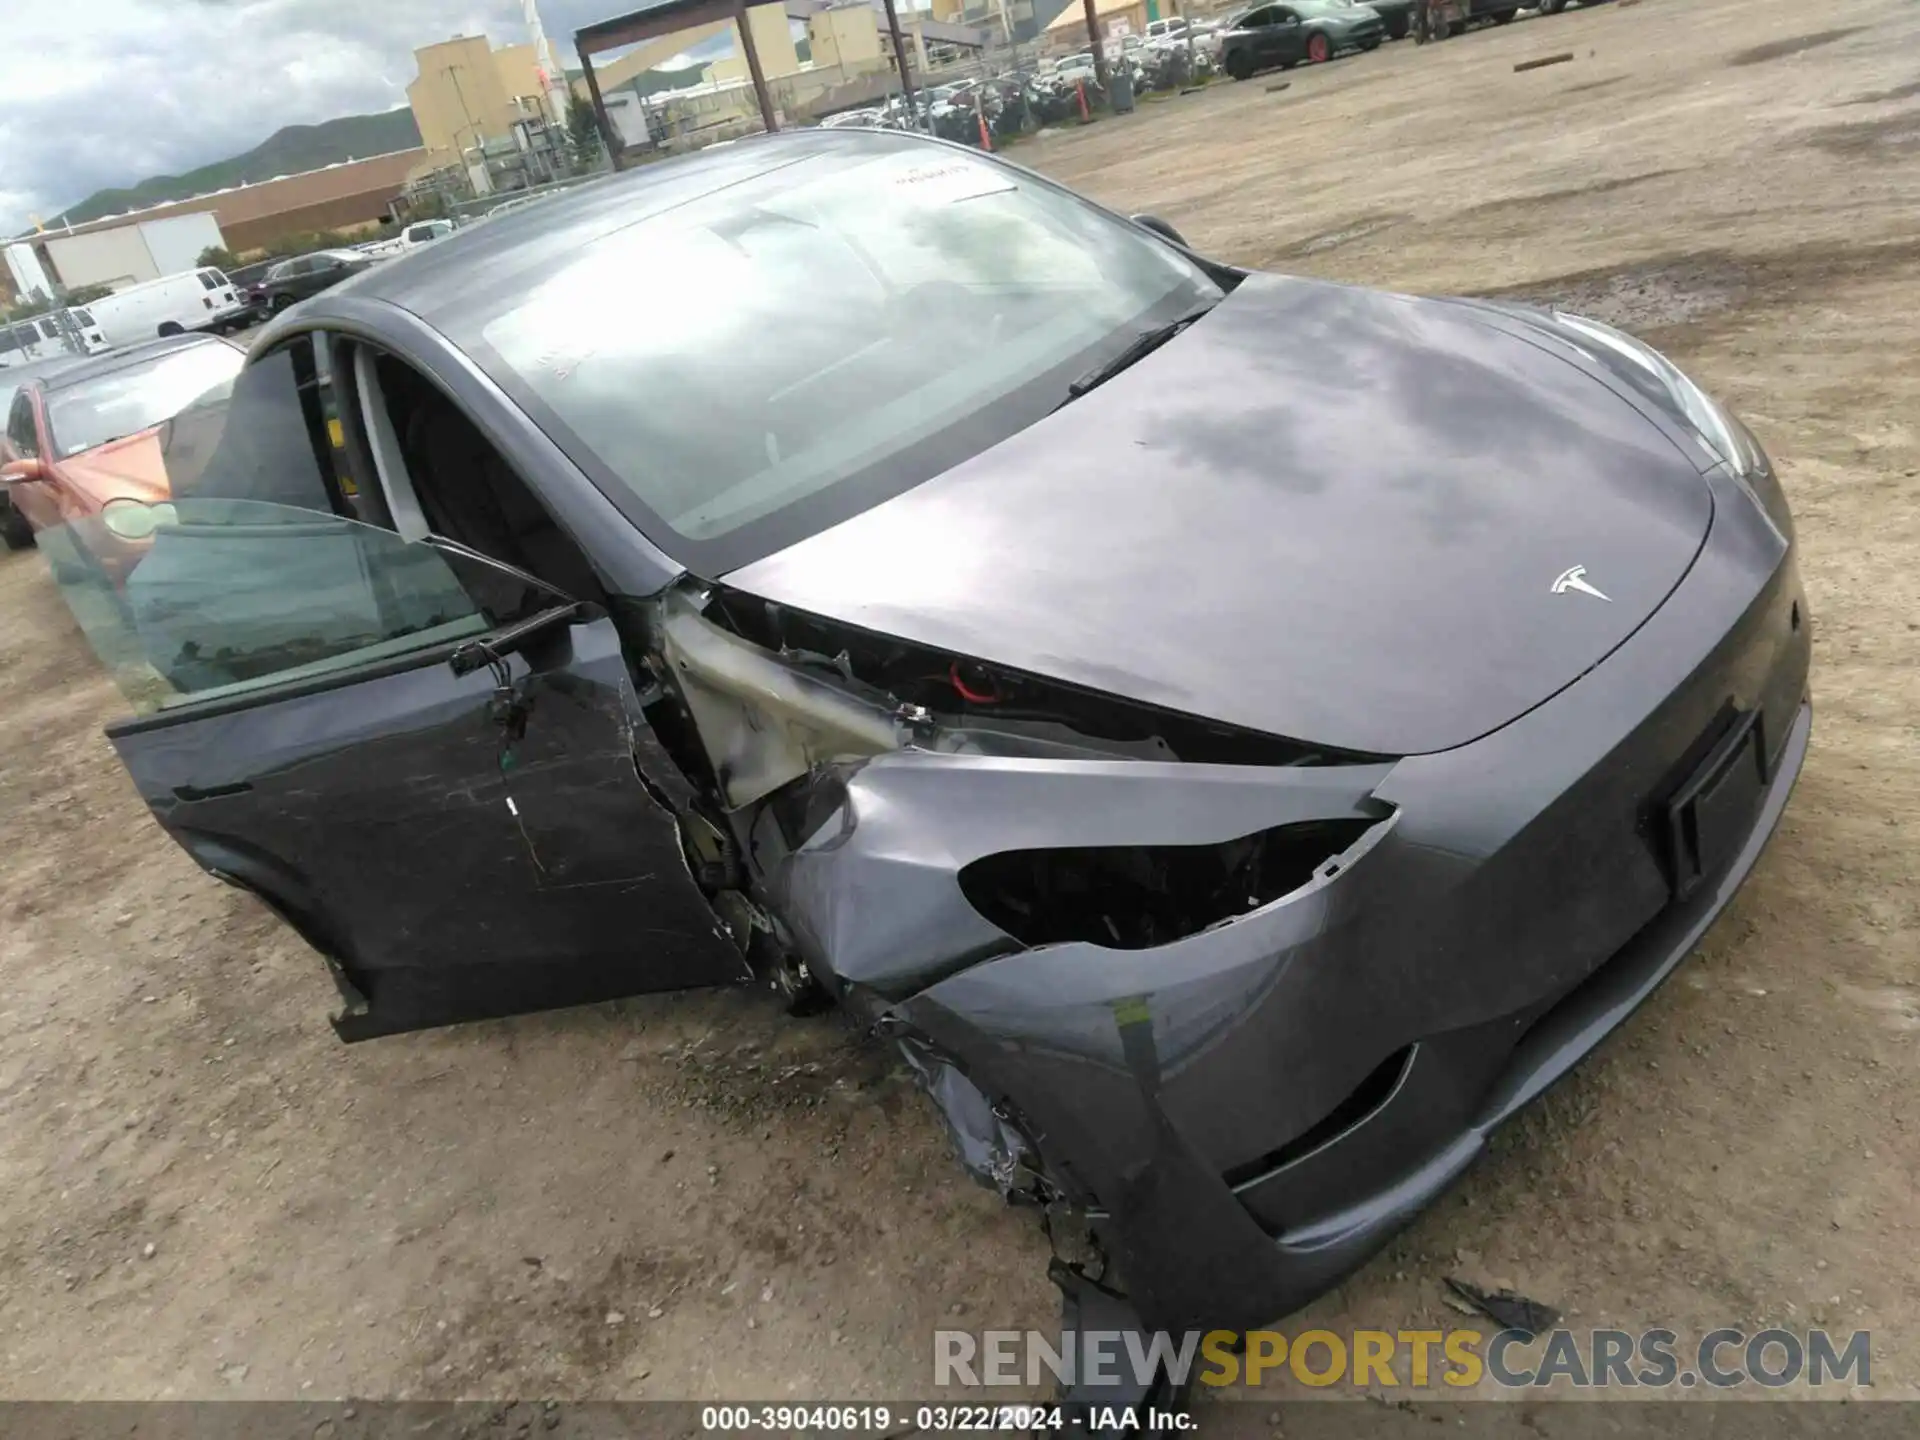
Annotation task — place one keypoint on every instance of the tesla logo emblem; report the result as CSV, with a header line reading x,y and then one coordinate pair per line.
x,y
1575,578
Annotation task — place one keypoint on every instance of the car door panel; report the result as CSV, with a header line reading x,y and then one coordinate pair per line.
x,y
450,871
1289,41
460,841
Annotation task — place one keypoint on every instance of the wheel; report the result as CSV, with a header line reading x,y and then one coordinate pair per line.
x,y
15,532
170,328
1457,27
1551,7
1397,27
1504,17
279,303
1239,65
1370,45
1319,48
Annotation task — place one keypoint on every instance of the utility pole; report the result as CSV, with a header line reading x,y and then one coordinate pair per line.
x,y
900,59
1100,75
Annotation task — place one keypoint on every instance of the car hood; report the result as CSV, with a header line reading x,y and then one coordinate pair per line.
x,y
1321,512
130,468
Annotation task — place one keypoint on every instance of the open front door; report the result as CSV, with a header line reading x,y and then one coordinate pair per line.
x,y
459,838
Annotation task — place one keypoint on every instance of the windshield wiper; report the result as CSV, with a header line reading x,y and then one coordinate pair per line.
x,y
1136,349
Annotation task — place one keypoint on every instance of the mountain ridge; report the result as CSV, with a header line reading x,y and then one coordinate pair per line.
x,y
288,151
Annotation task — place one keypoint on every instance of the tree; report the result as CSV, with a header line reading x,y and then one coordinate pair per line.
x,y
87,294
583,134
219,257
34,302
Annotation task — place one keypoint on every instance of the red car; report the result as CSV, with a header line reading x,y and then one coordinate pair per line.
x,y
86,436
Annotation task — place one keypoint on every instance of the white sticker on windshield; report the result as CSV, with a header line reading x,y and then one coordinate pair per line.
x,y
946,184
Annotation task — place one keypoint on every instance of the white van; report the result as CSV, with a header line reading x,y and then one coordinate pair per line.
x,y
78,322
63,332
202,299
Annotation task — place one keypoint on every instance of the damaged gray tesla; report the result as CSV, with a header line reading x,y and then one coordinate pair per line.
x,y
1240,736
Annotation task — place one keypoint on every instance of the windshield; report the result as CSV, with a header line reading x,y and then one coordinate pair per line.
x,y
926,305
135,397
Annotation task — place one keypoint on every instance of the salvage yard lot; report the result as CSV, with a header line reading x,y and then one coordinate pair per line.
x,y
205,1195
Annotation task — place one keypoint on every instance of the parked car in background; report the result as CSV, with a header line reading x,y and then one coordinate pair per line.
x,y
249,282
291,281
1284,35
420,232
81,437
1075,68
519,202
193,300
868,116
1396,15
72,331
15,532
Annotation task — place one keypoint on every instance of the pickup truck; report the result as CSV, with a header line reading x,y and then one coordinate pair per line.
x,y
421,232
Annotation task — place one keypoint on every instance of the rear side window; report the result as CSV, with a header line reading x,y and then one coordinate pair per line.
x,y
82,317
136,397
210,279
20,433
49,330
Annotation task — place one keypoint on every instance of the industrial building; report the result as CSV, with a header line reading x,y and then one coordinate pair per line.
x,y
468,93
146,244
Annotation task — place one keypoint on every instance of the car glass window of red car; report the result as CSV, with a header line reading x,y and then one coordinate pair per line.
x,y
137,397
21,435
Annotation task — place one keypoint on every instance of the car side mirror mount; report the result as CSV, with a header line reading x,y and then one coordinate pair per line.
x,y
23,471
1161,228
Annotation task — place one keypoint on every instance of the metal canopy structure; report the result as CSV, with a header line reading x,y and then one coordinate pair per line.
x,y
650,22
665,17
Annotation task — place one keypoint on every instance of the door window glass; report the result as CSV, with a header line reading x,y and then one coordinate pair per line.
x,y
266,440
190,599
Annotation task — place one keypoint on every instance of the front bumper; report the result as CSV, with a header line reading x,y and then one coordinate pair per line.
x,y
1249,1112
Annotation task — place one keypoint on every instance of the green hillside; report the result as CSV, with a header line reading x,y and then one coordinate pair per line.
x,y
287,152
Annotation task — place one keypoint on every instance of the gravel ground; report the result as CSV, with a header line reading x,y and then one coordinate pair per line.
x,y
206,1196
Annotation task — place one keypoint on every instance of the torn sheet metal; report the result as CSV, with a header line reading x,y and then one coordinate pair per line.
x,y
764,720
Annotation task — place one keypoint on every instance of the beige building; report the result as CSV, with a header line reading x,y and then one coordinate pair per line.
x,y
849,36
467,93
1117,18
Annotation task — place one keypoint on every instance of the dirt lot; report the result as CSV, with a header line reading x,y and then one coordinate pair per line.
x,y
205,1195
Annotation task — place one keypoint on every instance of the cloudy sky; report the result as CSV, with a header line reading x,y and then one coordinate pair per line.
x,y
107,92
